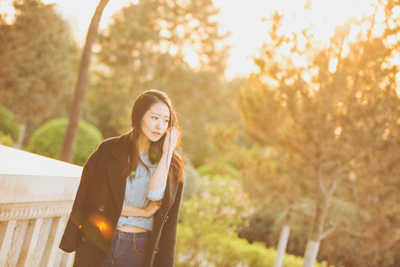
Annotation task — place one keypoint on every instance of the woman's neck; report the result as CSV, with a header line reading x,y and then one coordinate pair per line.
x,y
143,144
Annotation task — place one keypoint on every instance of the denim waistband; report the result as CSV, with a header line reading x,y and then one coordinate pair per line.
x,y
129,235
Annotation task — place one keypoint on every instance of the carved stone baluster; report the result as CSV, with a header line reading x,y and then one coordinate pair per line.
x,y
52,253
30,242
6,233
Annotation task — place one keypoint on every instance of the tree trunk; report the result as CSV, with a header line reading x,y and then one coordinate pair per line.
x,y
310,255
21,137
283,240
81,85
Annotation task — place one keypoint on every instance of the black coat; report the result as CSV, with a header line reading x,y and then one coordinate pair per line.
x,y
98,205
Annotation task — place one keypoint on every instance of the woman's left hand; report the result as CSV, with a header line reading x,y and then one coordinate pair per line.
x,y
152,208
171,140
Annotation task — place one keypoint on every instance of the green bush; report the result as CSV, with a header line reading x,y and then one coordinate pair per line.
x,y
5,139
222,250
219,168
47,140
8,125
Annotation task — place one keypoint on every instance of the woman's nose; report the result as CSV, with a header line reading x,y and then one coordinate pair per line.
x,y
159,125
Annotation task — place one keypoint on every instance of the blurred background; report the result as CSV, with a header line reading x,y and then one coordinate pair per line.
x,y
287,108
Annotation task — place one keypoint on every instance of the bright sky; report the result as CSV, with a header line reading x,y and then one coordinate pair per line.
x,y
244,18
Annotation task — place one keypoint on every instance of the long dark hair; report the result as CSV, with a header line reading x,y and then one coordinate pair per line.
x,y
142,104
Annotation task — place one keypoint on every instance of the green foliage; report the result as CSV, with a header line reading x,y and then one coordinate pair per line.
x,y
219,203
8,125
229,251
222,250
221,169
5,139
218,206
261,229
47,140
191,180
37,55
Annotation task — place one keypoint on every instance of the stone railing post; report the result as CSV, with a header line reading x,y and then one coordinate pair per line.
x,y
36,196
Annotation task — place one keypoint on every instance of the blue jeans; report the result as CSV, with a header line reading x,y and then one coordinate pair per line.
x,y
127,249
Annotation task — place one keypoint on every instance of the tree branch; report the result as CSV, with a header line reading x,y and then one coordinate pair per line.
x,y
321,182
328,232
335,182
356,234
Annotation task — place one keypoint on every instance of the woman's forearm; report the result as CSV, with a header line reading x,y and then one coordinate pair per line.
x,y
161,173
133,211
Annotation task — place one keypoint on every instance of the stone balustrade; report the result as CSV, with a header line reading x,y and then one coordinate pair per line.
x,y
36,196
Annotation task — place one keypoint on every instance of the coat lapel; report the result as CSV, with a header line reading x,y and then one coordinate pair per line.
x,y
116,166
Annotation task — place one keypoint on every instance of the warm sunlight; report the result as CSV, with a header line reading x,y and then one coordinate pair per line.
x,y
324,15
248,24
246,20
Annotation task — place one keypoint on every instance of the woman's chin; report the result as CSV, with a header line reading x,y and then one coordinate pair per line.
x,y
155,139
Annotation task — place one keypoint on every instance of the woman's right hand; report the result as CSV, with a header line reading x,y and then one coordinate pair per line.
x,y
152,208
171,140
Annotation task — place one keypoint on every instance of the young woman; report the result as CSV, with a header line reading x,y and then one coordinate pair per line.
x,y
126,209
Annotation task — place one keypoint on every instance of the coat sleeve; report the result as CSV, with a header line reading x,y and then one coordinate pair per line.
x,y
72,233
166,254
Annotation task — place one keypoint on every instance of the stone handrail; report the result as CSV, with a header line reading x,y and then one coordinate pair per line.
x,y
36,196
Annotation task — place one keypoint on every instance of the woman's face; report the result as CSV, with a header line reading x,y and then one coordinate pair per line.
x,y
155,122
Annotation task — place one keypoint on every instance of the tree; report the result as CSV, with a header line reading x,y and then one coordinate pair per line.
x,y
36,55
81,85
145,46
337,124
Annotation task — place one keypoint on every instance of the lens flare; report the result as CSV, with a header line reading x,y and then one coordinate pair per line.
x,y
103,225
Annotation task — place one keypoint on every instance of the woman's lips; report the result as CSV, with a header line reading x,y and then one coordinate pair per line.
x,y
156,134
